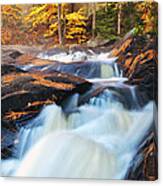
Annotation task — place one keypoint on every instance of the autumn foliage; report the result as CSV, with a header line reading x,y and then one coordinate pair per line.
x,y
11,21
76,26
68,23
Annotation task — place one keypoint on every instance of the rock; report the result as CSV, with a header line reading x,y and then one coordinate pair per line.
x,y
24,94
138,58
121,94
144,73
31,87
145,163
55,50
15,54
7,69
97,42
10,53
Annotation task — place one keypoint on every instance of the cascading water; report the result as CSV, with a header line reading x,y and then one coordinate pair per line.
x,y
74,56
95,65
95,140
98,141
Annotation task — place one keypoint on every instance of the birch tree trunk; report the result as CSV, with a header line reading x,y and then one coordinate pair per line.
x,y
93,19
119,18
59,25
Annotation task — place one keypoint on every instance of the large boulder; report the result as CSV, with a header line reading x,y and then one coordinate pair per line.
x,y
138,57
24,94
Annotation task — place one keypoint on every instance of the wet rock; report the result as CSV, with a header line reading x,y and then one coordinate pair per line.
x,y
7,69
56,50
119,94
24,94
145,163
138,58
31,87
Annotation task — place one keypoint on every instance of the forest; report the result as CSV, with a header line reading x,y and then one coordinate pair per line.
x,y
70,23
79,90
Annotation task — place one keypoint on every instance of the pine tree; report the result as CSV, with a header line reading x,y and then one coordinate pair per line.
x,y
106,21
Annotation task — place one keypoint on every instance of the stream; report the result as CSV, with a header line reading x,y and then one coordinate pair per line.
x,y
96,139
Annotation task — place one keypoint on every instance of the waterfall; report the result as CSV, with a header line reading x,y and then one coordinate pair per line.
x,y
29,135
98,141
95,140
94,143
75,56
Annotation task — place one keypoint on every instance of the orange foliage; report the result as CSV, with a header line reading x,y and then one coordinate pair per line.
x,y
11,21
147,10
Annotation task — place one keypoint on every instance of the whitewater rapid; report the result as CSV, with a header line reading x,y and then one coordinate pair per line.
x,y
98,139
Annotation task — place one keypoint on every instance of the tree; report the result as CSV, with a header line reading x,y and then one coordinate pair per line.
x,y
128,17
43,18
76,26
76,23
106,21
93,19
59,24
147,16
119,18
11,21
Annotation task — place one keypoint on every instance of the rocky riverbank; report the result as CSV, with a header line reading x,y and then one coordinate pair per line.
x,y
24,94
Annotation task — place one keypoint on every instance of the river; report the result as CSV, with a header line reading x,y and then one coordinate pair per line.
x,y
96,139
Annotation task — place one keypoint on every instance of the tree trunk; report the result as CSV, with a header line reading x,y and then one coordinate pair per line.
x,y
106,6
119,18
72,7
64,28
93,19
60,25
